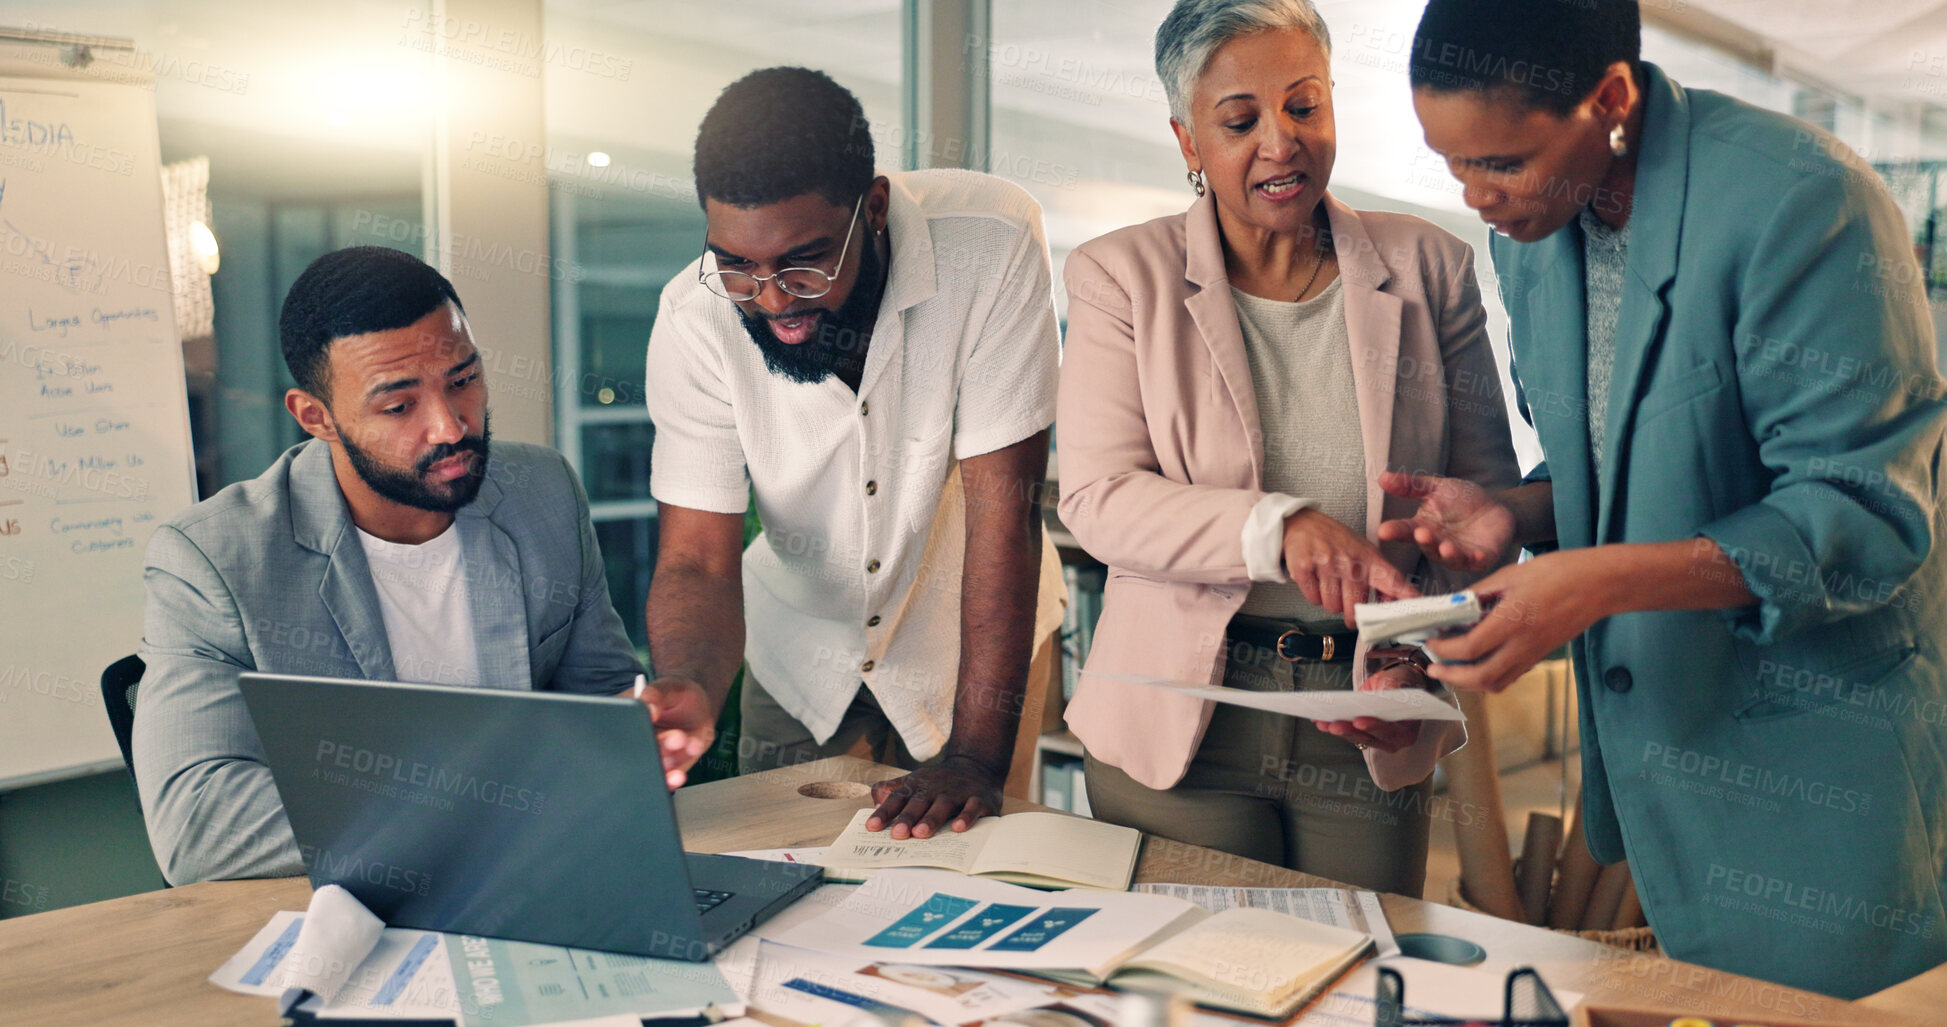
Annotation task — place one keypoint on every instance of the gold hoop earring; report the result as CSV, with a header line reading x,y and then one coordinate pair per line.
x,y
1196,181
1616,144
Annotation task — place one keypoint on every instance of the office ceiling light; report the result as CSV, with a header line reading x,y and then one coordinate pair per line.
x,y
597,159
202,246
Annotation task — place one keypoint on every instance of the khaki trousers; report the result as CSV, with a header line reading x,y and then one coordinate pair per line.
x,y
773,738
1278,790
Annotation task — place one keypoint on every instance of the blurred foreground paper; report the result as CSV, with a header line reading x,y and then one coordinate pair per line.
x,y
1393,704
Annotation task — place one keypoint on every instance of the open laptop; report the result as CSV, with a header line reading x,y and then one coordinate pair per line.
x,y
537,816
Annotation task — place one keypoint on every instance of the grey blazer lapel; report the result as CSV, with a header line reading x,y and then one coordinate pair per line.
x,y
322,523
495,594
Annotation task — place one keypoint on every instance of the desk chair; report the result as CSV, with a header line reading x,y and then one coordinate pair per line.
x,y
118,685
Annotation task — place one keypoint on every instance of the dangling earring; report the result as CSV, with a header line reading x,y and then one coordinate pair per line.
x,y
1196,181
1616,144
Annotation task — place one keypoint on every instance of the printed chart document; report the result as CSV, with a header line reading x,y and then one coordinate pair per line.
x,y
1049,850
939,918
1391,704
394,973
1251,960
1350,908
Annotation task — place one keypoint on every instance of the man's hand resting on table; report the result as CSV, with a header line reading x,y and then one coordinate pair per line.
x,y
959,790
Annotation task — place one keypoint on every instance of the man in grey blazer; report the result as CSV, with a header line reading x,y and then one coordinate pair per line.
x,y
392,546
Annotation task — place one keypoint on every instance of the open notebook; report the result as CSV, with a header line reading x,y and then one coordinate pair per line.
x,y
1251,961
1045,850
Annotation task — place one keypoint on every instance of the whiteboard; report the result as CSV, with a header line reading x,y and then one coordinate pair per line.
x,y
94,423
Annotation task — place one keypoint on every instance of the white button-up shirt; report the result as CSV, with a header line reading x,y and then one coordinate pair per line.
x,y
856,577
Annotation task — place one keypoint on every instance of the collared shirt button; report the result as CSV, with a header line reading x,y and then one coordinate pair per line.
x,y
872,567
871,488
873,622
866,667
865,408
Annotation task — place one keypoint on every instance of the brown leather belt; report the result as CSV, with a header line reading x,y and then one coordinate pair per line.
x,y
1293,643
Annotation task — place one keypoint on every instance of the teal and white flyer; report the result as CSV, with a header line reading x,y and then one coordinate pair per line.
x,y
515,983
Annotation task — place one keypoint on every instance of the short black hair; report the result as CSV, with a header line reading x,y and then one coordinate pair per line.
x,y
777,133
1547,54
348,292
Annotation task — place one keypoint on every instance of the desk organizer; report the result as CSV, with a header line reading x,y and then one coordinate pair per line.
x,y
1526,1002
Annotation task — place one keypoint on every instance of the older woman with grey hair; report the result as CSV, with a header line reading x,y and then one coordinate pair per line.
x,y
1237,382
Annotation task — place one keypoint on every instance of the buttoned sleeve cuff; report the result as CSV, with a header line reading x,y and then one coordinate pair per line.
x,y
1263,536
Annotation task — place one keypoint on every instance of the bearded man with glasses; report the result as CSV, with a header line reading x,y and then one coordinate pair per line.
x,y
872,359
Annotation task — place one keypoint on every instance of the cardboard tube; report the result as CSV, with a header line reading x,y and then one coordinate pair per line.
x,y
1538,865
1577,877
1486,863
1629,912
1607,897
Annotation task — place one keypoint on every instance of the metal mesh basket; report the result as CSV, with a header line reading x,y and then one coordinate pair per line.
x,y
1526,1002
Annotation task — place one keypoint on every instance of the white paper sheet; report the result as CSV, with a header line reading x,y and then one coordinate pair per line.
x,y
738,962
940,918
1350,908
797,983
814,855
338,933
1391,704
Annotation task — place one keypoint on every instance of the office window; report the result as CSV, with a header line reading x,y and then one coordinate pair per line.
x,y
1078,117
316,122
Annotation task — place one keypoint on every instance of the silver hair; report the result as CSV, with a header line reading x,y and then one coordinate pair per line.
x,y
1195,30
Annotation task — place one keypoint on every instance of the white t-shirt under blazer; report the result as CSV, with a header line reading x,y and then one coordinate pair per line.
x,y
856,577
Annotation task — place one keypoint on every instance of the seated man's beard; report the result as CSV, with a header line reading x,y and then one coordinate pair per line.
x,y
839,342
410,488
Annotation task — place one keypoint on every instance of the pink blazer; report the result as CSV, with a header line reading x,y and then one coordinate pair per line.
x,y
1162,458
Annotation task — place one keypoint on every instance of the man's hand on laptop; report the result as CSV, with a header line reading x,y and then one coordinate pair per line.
x,y
686,724
960,790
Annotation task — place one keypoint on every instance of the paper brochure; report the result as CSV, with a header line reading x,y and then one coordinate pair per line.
x,y
395,973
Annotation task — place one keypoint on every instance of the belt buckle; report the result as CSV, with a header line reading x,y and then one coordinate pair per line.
x,y
1328,646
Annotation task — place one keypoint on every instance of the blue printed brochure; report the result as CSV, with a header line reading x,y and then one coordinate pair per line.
x,y
1255,961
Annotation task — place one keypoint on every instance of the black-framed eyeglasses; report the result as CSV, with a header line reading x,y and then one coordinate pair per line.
x,y
806,283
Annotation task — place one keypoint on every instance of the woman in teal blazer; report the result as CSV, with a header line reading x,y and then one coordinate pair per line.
x,y
1744,520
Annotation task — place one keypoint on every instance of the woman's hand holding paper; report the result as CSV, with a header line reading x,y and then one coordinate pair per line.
x,y
1371,732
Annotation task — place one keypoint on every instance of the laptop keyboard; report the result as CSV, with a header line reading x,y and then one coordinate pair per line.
x,y
707,900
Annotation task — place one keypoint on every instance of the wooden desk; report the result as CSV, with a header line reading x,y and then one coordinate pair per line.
x,y
144,959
